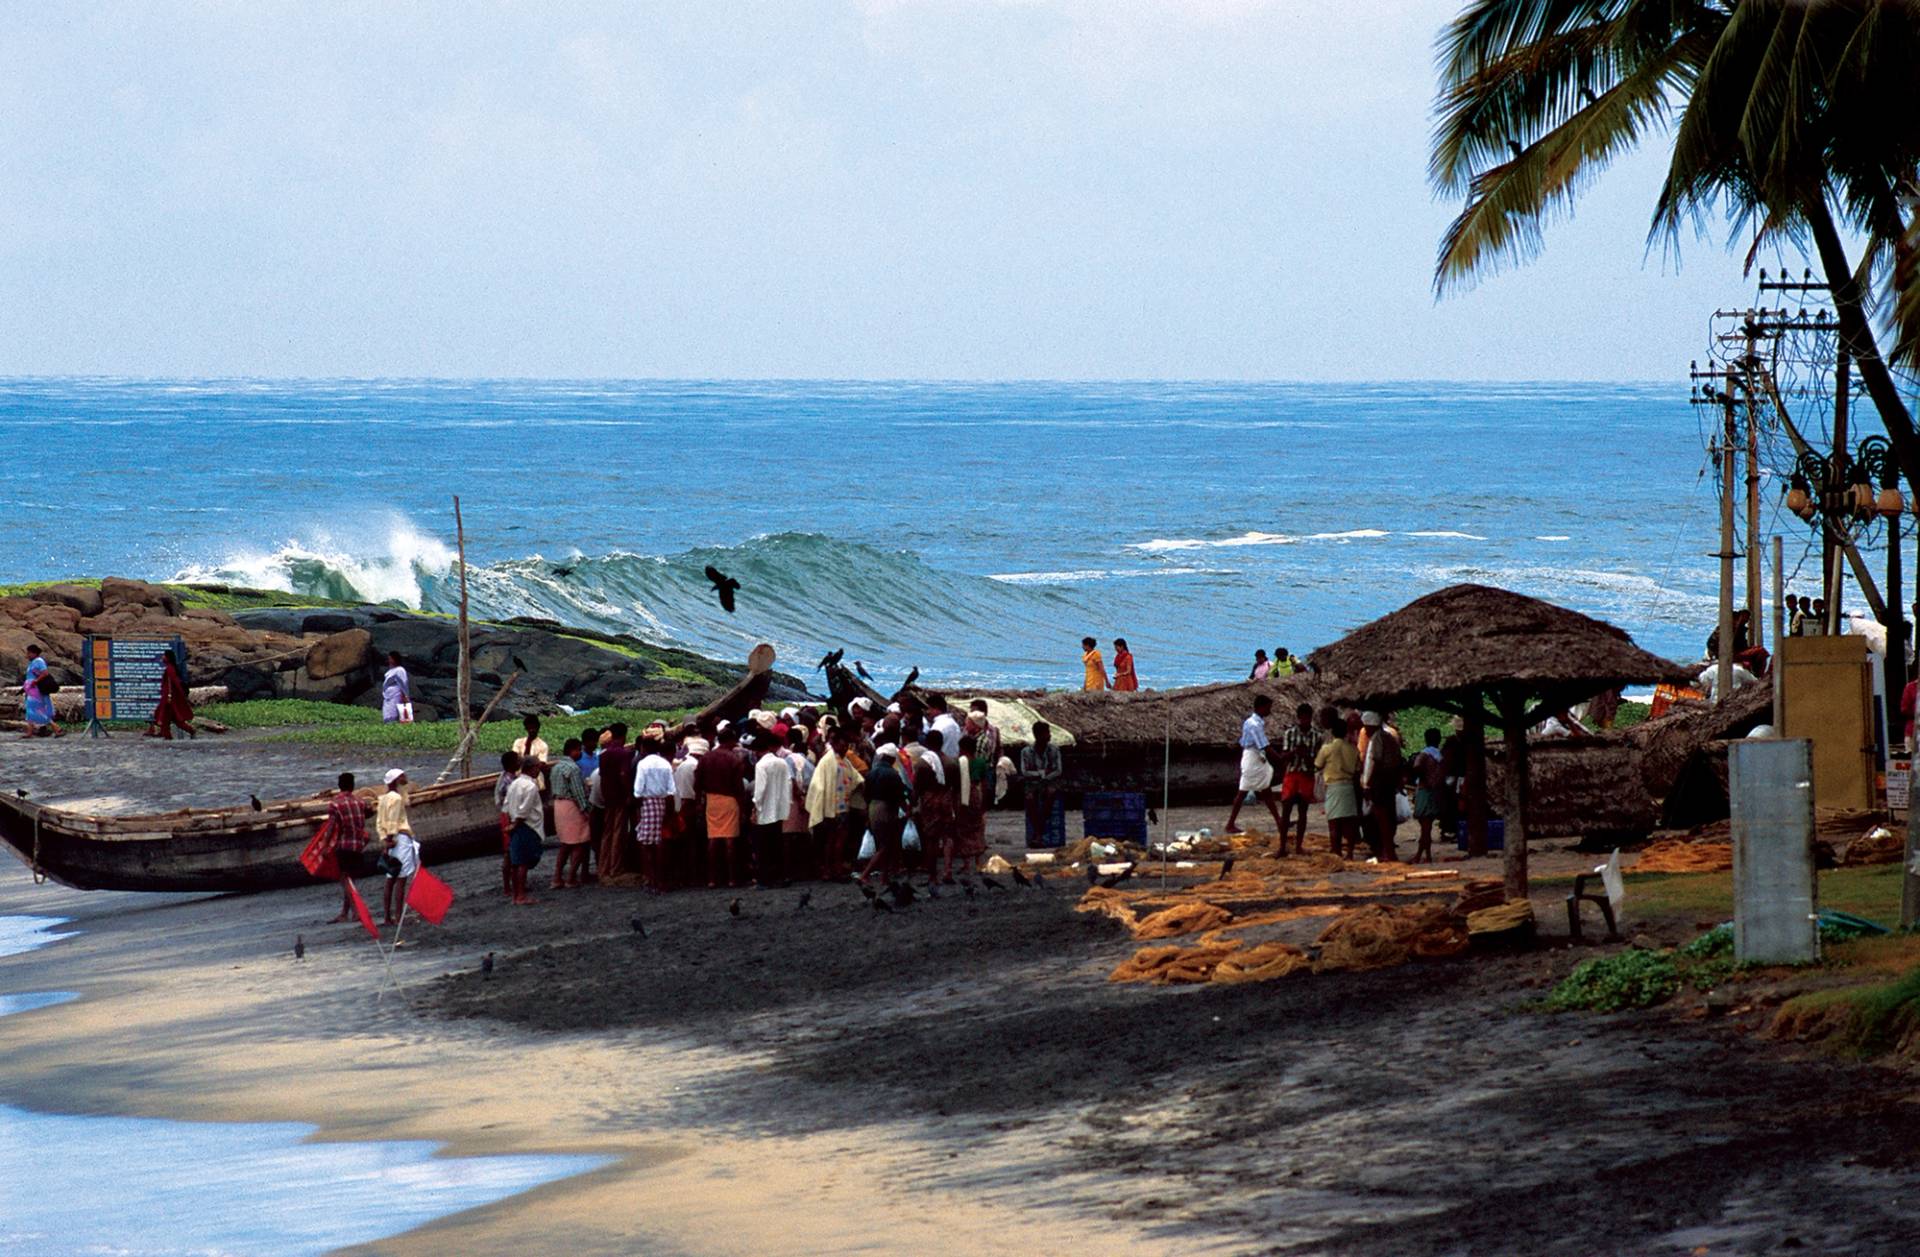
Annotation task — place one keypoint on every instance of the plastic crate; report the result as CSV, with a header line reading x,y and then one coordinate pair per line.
x,y
1056,831
1114,815
1496,835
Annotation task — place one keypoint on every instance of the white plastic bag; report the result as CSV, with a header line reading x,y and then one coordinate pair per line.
x,y
1402,808
406,713
910,839
867,847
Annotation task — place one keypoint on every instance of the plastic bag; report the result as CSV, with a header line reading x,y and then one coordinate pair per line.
x,y
1402,808
406,713
910,838
867,847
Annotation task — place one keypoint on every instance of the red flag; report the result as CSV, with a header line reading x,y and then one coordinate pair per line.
x,y
429,896
360,910
320,858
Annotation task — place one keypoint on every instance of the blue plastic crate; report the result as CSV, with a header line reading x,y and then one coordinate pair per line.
x,y
1496,835
1056,831
1114,815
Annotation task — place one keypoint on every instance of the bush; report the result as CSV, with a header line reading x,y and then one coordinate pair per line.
x,y
1632,979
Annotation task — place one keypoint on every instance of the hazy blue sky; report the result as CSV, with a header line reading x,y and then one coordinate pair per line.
x,y
1056,188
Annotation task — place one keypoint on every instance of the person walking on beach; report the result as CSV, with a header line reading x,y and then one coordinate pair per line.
x,y
1124,677
531,746
1381,773
1260,666
886,812
37,689
1256,766
617,763
396,692
1096,678
833,781
570,810
347,814
653,797
528,817
509,773
772,800
1299,745
1338,764
1040,773
174,707
390,824
402,862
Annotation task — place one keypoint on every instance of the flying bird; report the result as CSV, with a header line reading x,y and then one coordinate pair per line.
x,y
639,927
723,585
563,571
861,668
1022,878
806,901
299,947
254,800
486,965
831,658
733,909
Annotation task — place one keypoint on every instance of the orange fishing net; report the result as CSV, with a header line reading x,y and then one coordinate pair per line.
x,y
1669,856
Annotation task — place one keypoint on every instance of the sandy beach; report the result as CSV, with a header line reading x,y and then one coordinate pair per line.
x,y
956,1077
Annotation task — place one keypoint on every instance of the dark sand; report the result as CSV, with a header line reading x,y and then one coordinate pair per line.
x,y
957,1077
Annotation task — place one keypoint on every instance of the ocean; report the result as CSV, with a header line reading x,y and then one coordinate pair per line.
x,y
976,531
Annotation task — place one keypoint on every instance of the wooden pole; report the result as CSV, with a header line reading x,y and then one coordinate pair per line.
x,y
1729,438
1513,716
1842,378
463,753
465,684
1756,595
1779,633
1474,776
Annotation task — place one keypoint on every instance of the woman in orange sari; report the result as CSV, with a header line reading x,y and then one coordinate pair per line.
x,y
1096,670
174,708
1123,674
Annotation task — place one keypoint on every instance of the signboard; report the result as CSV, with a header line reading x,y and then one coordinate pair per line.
x,y
124,675
1899,784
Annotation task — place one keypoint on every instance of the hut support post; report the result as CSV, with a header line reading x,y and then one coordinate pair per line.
x,y
1474,776
1513,720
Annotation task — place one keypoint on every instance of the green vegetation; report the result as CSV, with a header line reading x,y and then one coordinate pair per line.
x,y
275,713
1871,891
1415,721
366,729
1859,1020
1631,979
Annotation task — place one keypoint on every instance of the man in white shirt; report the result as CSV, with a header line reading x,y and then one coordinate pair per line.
x,y
528,818
1256,765
772,800
654,792
943,723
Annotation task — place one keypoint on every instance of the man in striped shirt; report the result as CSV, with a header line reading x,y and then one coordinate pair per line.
x,y
347,813
1299,743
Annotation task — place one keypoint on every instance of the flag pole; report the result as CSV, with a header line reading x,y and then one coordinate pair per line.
x,y
386,953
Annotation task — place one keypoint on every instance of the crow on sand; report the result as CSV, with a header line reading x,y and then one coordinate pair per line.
x,y
299,947
486,965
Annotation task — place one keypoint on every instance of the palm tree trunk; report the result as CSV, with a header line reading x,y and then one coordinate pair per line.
x,y
1849,303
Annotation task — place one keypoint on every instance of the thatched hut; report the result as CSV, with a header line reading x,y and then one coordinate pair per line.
x,y
1490,656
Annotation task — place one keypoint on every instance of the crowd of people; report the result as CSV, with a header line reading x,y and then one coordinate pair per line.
x,y
1355,764
775,798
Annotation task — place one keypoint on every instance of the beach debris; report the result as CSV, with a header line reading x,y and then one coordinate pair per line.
x,y
299,947
639,926
1262,962
1039,857
486,965
806,901
1504,926
996,864
253,801
1878,845
1481,892
733,909
723,585
1173,963
1021,878
1674,856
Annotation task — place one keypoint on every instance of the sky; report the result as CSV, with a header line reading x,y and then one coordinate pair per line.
x,y
1062,189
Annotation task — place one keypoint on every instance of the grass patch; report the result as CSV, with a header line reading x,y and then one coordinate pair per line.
x,y
444,735
275,713
1871,891
1861,1021
1415,721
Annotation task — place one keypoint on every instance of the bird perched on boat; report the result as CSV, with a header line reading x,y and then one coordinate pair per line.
x,y
253,800
989,883
861,668
806,901
639,927
733,909
1022,878
830,658
486,965
1226,868
911,678
299,947
723,585
19,793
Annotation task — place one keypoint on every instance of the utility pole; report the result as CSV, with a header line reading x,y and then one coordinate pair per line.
x,y
464,689
1842,379
1729,442
1755,593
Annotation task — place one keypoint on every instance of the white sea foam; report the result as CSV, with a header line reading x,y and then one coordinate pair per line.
x,y
1094,574
1159,545
1443,532
385,563
1553,537
1352,534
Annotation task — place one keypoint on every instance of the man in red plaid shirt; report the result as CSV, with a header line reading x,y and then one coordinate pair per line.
x,y
347,814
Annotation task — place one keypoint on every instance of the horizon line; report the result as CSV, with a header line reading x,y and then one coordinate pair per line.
x,y
114,378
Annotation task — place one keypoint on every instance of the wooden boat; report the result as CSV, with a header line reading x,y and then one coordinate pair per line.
x,y
237,849
226,849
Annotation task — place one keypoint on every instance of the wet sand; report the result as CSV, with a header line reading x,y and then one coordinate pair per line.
x,y
958,1077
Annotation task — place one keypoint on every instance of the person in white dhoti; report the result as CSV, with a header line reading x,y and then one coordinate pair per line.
x,y
1256,765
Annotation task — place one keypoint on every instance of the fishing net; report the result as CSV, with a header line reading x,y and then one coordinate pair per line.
x,y
1262,963
1671,856
1501,918
1879,845
1172,963
1186,918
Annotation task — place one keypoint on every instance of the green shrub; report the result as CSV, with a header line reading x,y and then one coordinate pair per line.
x,y
1632,979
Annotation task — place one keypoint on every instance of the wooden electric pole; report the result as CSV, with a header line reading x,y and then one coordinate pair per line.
x,y
464,685
1729,443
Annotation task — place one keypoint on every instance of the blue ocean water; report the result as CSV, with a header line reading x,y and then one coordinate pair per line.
x,y
977,531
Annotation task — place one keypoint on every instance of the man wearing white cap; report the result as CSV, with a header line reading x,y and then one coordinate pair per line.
x,y
1256,766
391,826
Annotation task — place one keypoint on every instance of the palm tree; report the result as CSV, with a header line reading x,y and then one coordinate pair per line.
x,y
1794,117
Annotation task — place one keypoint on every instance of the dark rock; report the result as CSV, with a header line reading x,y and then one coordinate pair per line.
x,y
417,640
81,598
246,681
118,591
304,684
288,620
332,621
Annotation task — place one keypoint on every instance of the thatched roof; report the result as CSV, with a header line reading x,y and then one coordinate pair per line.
x,y
1468,638
1200,715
